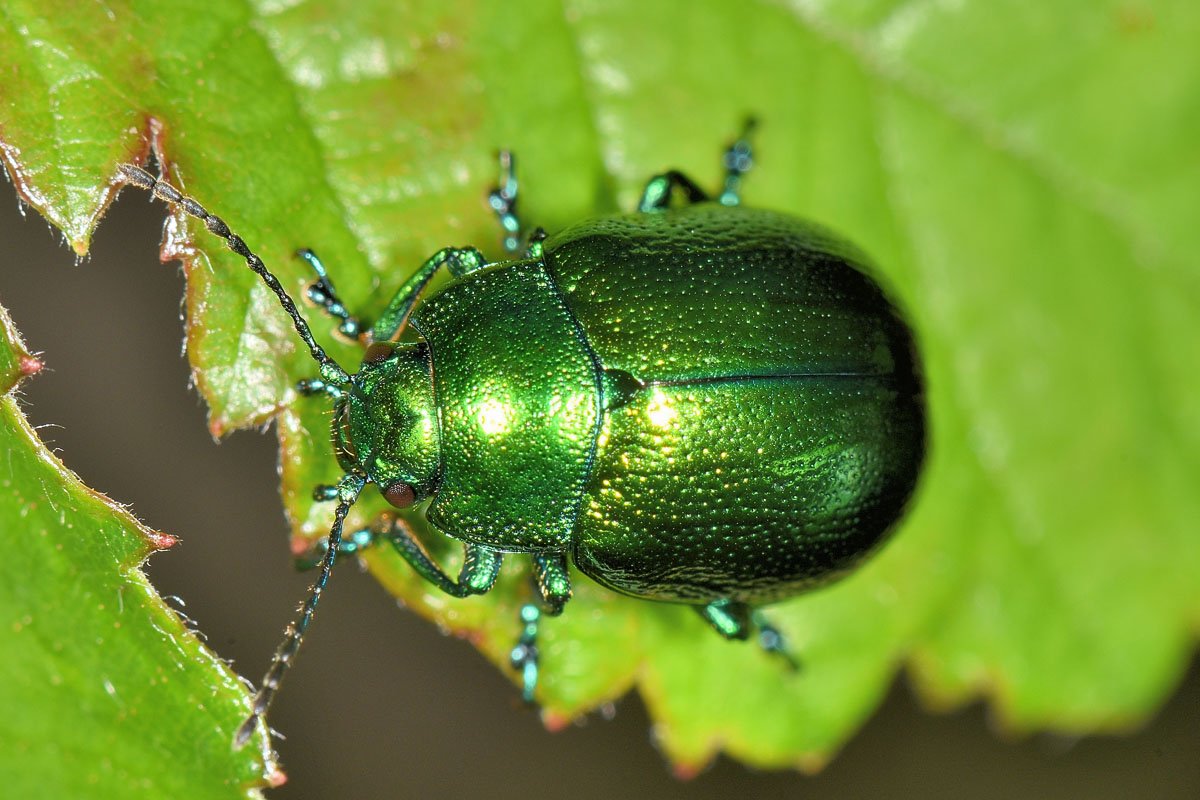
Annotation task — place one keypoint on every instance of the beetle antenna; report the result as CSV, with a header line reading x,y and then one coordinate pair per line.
x,y
331,371
293,635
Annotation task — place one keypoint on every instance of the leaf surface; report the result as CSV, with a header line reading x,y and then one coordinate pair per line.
x,y
1025,175
106,692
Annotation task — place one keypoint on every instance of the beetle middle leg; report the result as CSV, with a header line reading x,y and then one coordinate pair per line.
x,y
503,201
735,620
553,584
478,574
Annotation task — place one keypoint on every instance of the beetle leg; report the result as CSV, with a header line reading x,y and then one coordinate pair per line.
x,y
480,565
351,543
503,200
324,295
314,386
738,160
657,194
729,618
524,655
772,641
479,569
552,581
459,260
734,620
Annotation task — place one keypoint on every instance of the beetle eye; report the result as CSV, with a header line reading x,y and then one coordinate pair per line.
x,y
378,352
400,495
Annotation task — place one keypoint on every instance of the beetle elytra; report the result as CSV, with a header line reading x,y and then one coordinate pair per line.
x,y
697,402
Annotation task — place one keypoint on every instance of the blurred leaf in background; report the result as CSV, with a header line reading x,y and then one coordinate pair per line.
x,y
1024,174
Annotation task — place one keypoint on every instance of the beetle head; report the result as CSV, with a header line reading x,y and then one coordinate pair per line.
x,y
387,426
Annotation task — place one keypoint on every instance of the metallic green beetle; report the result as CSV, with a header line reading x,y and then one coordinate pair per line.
x,y
700,403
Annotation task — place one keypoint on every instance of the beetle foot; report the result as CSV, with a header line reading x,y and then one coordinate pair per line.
x,y
524,655
737,161
323,295
772,641
503,200
314,386
310,386
306,558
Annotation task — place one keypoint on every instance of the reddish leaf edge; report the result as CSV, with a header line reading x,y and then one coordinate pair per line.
x,y
78,234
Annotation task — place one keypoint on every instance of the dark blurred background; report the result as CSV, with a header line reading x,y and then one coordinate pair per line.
x,y
380,704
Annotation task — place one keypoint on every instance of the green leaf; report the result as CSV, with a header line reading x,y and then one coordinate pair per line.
x,y
1025,175
106,692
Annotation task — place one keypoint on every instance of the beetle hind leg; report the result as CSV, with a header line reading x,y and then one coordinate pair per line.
x,y
737,161
770,640
734,620
657,194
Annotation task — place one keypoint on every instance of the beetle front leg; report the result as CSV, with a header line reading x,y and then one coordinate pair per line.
x,y
389,326
312,556
477,575
324,295
479,569
459,260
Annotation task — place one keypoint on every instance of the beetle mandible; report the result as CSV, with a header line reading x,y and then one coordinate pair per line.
x,y
697,403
